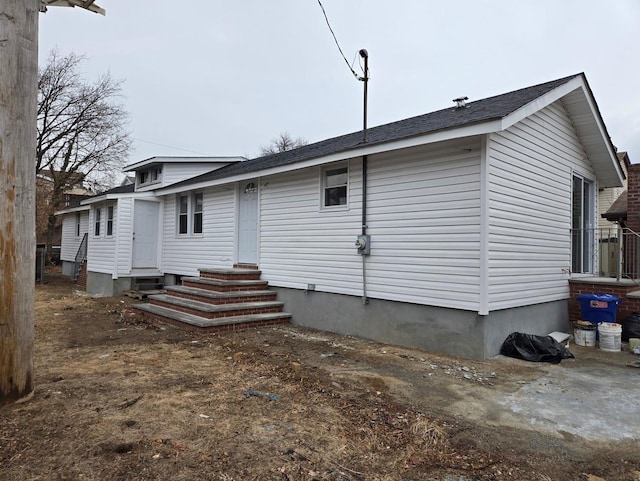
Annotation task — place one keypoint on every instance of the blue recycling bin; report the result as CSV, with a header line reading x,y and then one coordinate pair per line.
x,y
597,308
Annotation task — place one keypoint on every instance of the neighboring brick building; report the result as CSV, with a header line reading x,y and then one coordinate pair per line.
x,y
73,194
625,212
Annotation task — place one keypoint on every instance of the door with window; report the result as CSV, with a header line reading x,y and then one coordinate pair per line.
x,y
145,234
248,222
582,225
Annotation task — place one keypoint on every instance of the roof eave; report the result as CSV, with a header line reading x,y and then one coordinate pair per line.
x,y
158,160
103,198
468,130
71,210
577,98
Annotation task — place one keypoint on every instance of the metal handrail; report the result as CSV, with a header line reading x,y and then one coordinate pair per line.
x,y
606,252
81,256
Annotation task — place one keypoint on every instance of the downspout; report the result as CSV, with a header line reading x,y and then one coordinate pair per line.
x,y
365,55
365,300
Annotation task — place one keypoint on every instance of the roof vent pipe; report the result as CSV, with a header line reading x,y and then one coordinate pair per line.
x,y
461,102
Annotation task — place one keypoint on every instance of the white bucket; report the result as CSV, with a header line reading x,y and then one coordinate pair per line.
x,y
585,337
610,335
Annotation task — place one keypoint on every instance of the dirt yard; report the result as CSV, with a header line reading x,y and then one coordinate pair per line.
x,y
121,400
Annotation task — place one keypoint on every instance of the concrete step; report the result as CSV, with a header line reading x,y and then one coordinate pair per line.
x,y
215,297
228,274
197,323
224,286
214,311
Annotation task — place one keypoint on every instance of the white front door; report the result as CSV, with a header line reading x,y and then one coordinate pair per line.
x,y
248,222
145,234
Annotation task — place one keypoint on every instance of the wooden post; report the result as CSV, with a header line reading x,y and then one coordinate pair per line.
x,y
18,99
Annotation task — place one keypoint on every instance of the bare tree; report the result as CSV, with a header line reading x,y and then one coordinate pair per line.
x,y
282,143
82,129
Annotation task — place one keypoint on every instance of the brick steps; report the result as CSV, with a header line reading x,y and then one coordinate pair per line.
x,y
215,297
197,323
230,274
213,311
222,285
217,300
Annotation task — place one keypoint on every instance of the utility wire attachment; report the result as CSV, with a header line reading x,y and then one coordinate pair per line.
x,y
338,45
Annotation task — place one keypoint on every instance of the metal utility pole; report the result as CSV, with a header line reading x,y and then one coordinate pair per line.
x,y
18,99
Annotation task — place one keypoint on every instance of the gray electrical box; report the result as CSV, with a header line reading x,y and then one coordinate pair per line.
x,y
363,244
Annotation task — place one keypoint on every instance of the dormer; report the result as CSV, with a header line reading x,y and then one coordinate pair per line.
x,y
157,172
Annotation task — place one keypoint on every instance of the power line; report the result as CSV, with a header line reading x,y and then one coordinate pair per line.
x,y
336,41
168,146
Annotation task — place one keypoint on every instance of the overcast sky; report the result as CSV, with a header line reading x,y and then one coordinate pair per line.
x,y
225,77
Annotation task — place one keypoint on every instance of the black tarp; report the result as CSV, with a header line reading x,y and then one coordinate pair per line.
x,y
534,348
630,327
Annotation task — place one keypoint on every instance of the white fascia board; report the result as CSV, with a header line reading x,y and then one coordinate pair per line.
x,y
71,210
602,130
177,160
578,82
543,101
136,195
440,136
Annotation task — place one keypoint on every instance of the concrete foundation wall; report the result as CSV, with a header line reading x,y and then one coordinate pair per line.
x,y
538,319
452,331
68,268
104,285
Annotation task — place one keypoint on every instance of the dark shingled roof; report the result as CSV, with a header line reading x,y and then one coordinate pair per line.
x,y
488,109
618,210
122,189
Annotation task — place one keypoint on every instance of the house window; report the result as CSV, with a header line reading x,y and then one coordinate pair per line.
x,y
155,174
77,224
335,183
190,213
96,217
110,220
197,213
582,225
183,214
149,176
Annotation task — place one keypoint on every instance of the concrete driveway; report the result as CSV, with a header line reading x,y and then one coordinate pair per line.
x,y
595,396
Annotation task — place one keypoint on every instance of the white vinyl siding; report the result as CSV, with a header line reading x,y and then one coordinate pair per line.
x,y
424,221
173,173
300,242
530,167
423,217
606,197
101,253
184,255
71,241
124,230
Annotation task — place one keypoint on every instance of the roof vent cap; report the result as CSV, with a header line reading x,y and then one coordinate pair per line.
x,y
461,102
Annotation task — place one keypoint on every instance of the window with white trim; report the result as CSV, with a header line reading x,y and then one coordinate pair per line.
x,y
582,225
110,210
183,214
335,186
97,214
197,213
190,211
78,218
150,176
156,174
